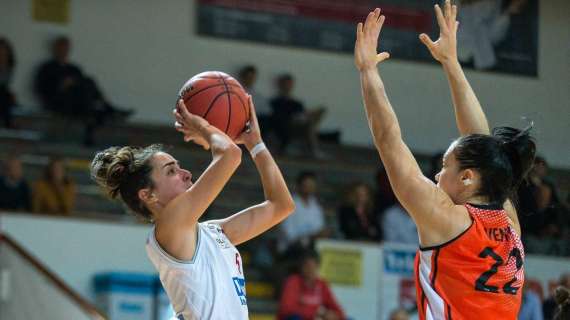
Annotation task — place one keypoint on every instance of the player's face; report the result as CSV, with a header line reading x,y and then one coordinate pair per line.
x,y
449,178
169,179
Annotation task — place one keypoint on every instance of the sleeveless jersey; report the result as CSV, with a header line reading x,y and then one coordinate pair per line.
x,y
477,275
211,285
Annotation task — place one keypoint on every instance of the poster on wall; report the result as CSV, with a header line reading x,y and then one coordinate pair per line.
x,y
495,35
55,11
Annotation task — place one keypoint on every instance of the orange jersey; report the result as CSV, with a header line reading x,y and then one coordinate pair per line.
x,y
477,275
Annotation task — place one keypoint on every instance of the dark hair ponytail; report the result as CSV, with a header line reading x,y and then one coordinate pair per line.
x,y
520,148
503,160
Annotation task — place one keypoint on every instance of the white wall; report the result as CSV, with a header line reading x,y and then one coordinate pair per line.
x,y
26,287
78,249
142,51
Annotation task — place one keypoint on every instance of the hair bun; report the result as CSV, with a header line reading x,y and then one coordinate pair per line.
x,y
110,166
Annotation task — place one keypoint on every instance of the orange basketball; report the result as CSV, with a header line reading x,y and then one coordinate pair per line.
x,y
218,98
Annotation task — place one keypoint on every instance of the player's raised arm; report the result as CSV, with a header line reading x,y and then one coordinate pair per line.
x,y
226,157
278,203
422,199
469,114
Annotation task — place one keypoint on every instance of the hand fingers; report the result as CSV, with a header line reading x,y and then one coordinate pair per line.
x,y
368,22
440,20
447,10
182,109
425,39
381,20
454,12
359,31
377,14
382,56
252,114
178,117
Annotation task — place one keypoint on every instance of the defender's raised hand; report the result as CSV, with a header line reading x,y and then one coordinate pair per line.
x,y
445,48
366,55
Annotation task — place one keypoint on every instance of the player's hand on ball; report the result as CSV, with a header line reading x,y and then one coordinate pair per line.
x,y
365,54
190,125
252,134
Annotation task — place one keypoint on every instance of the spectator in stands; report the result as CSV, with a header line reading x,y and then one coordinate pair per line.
x,y
248,78
357,219
291,118
398,226
7,98
549,306
540,210
305,296
563,303
531,307
307,222
399,314
55,192
63,88
14,189
384,197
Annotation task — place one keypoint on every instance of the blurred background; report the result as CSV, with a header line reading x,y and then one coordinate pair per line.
x,y
77,76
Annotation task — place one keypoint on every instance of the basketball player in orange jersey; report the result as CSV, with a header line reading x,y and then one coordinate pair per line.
x,y
470,261
199,266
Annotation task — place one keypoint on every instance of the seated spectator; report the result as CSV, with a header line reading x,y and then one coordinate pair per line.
x,y
399,314
55,192
398,226
531,307
549,306
357,220
14,189
384,196
540,209
307,221
63,88
291,119
247,77
562,296
305,296
7,98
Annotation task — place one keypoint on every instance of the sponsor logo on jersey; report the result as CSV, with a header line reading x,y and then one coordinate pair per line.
x,y
222,243
239,285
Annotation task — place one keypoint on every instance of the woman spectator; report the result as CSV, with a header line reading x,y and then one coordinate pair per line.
x,y
305,296
55,192
356,217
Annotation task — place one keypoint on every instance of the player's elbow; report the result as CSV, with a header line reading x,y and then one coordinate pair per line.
x,y
233,154
285,208
289,207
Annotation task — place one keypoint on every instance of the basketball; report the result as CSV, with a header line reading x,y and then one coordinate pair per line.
x,y
218,98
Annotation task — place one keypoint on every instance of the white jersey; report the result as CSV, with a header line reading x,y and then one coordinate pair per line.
x,y
211,285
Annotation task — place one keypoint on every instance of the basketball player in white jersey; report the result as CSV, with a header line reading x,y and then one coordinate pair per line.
x,y
199,266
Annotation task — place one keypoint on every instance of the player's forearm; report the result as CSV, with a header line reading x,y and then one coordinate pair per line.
x,y
469,114
220,144
274,186
381,117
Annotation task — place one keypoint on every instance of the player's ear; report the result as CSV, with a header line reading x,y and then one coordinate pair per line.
x,y
147,196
